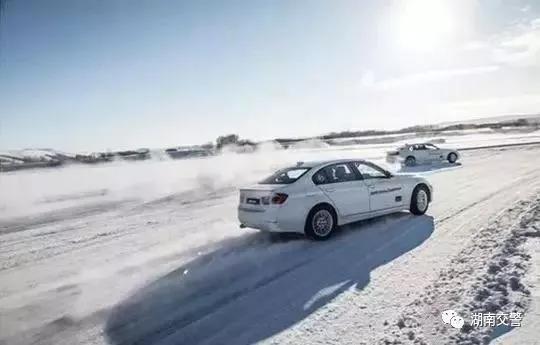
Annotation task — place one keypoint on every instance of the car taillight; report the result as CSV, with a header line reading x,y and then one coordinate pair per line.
x,y
279,198
241,198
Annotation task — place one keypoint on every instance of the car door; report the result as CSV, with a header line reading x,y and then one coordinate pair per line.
x,y
421,153
385,191
343,185
435,154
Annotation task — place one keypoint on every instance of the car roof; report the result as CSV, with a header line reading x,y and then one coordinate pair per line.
x,y
320,163
422,143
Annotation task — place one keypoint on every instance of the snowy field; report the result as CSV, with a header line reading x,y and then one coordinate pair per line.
x,y
150,252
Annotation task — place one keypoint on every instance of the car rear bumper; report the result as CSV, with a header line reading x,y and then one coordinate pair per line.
x,y
260,220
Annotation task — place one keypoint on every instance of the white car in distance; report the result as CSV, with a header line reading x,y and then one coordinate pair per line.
x,y
314,198
412,154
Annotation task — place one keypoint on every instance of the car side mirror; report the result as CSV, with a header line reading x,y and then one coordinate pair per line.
x,y
388,174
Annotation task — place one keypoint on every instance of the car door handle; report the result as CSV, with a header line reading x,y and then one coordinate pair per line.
x,y
371,187
330,190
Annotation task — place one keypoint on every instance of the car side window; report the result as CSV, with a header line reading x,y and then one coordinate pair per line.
x,y
369,171
320,177
335,173
431,147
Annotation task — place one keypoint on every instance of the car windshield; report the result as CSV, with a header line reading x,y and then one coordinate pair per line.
x,y
285,176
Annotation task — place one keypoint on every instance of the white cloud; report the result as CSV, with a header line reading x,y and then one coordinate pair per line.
x,y
521,46
517,104
475,45
367,79
430,77
525,8
518,46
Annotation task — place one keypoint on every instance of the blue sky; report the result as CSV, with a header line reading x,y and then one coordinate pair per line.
x,y
92,75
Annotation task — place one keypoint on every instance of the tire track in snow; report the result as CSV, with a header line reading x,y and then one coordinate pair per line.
x,y
430,256
484,277
448,225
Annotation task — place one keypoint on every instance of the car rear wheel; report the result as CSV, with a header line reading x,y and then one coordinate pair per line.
x,y
321,222
452,157
419,200
410,161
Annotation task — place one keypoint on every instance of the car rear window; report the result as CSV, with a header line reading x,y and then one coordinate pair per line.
x,y
285,176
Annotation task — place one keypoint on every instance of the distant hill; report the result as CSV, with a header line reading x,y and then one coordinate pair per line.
x,y
40,158
488,123
501,118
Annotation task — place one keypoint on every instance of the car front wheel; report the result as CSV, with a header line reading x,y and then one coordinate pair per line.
x,y
410,161
452,157
419,200
321,222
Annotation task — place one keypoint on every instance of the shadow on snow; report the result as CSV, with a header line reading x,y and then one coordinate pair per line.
x,y
429,168
254,287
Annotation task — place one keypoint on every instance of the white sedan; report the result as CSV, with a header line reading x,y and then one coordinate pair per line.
x,y
412,154
314,198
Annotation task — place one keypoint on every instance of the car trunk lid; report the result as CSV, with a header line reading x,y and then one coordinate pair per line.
x,y
258,197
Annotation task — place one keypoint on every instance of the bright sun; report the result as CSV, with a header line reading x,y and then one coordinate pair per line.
x,y
425,24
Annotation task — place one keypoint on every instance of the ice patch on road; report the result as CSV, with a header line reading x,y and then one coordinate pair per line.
x,y
327,291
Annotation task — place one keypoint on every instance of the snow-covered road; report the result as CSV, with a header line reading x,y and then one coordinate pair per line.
x,y
178,270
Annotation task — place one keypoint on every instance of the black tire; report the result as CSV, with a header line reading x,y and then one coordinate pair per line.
x,y
414,208
410,161
452,157
313,233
